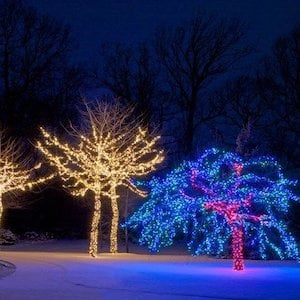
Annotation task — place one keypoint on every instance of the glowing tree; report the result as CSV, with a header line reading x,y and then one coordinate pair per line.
x,y
15,173
108,152
230,209
219,199
166,212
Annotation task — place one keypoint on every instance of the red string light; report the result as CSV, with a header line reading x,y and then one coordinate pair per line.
x,y
235,221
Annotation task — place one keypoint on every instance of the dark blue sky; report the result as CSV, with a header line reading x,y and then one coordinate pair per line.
x,y
96,21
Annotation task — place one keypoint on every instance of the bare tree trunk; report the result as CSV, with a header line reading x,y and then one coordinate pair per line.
x,y
190,130
94,234
115,220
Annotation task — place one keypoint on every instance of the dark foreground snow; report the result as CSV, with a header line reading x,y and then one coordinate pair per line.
x,y
66,272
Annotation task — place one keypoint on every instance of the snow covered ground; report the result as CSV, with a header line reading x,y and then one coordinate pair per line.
x,y
62,270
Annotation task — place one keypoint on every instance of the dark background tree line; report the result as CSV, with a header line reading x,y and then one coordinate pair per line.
x,y
192,82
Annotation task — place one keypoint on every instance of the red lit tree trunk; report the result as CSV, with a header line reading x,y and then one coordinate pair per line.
x,y
237,247
235,220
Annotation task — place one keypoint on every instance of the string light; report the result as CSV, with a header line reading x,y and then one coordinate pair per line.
x,y
109,153
14,172
230,211
218,200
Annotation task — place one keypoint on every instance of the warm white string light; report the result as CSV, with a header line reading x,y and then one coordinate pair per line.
x,y
14,172
110,151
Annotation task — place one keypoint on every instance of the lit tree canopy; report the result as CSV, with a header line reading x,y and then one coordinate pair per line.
x,y
15,173
109,151
165,213
209,199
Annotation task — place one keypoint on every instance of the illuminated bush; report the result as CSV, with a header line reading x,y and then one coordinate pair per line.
x,y
218,199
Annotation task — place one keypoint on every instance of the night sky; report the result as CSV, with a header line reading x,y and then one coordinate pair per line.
x,y
96,21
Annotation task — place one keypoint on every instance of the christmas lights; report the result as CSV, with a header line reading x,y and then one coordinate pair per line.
x,y
235,220
229,208
109,153
14,171
219,200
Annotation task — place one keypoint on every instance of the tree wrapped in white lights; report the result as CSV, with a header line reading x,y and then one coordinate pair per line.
x,y
109,151
15,173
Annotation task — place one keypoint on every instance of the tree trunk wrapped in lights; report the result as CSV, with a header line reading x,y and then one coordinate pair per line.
x,y
95,225
15,173
115,217
230,211
109,151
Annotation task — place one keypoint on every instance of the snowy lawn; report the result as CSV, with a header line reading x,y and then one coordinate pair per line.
x,y
62,270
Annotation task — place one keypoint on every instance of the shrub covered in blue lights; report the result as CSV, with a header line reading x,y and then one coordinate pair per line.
x,y
178,205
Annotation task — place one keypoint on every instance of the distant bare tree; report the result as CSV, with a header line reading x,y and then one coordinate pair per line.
x,y
279,87
194,55
37,82
243,101
244,139
130,74
245,114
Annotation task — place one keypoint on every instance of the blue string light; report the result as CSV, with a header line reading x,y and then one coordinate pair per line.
x,y
177,205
